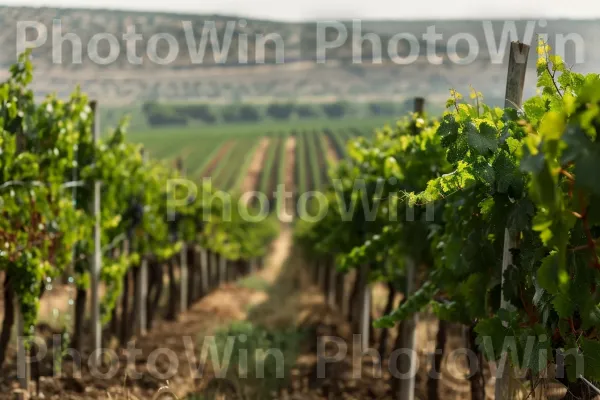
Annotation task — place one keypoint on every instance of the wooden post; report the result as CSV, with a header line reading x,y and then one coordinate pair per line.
x,y
332,285
342,303
194,273
23,367
96,259
124,297
515,83
142,285
183,285
408,332
204,271
214,277
365,314
419,105
222,269
183,279
322,277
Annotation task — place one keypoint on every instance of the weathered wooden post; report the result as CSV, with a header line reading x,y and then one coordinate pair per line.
x,y
214,270
96,260
332,284
222,269
365,313
23,366
515,83
407,328
183,261
322,283
124,298
204,271
253,266
142,283
407,331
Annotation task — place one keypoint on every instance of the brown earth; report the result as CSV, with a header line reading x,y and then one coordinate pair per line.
x,y
332,155
251,180
215,161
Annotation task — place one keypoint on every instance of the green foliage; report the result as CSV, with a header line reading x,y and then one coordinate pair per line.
x,y
337,109
167,114
49,164
530,174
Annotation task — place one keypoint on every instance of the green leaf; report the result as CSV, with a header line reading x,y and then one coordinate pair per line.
x,y
535,108
520,215
486,206
482,140
563,305
391,168
508,176
491,333
586,169
591,358
547,274
448,127
458,150
384,322
484,172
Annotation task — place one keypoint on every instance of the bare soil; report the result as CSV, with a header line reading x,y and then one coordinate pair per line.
x,y
332,155
258,159
215,161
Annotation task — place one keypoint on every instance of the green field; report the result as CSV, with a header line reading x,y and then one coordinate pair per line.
x,y
225,153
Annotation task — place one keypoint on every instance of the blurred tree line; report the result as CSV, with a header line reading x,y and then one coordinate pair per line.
x,y
166,114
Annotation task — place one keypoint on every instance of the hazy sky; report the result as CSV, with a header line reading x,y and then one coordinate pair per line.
x,y
371,9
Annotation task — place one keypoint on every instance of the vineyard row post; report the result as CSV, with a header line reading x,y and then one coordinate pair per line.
x,y
142,278
183,281
124,296
331,282
515,82
408,327
96,262
222,269
365,313
204,270
24,371
214,277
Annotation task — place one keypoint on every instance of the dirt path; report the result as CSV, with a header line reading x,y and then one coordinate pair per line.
x,y
332,155
258,159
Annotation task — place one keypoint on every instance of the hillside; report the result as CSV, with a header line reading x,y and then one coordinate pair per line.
x,y
289,70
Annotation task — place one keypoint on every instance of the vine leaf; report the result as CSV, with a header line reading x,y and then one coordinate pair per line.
x,y
591,357
482,140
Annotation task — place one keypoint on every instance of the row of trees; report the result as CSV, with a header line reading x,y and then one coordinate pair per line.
x,y
489,218
159,114
101,212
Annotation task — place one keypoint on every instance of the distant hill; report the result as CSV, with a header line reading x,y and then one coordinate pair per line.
x,y
289,71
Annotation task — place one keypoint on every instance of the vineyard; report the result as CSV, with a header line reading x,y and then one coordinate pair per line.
x,y
256,161
489,219
465,242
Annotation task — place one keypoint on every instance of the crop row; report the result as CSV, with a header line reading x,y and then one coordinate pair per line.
x,y
226,159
